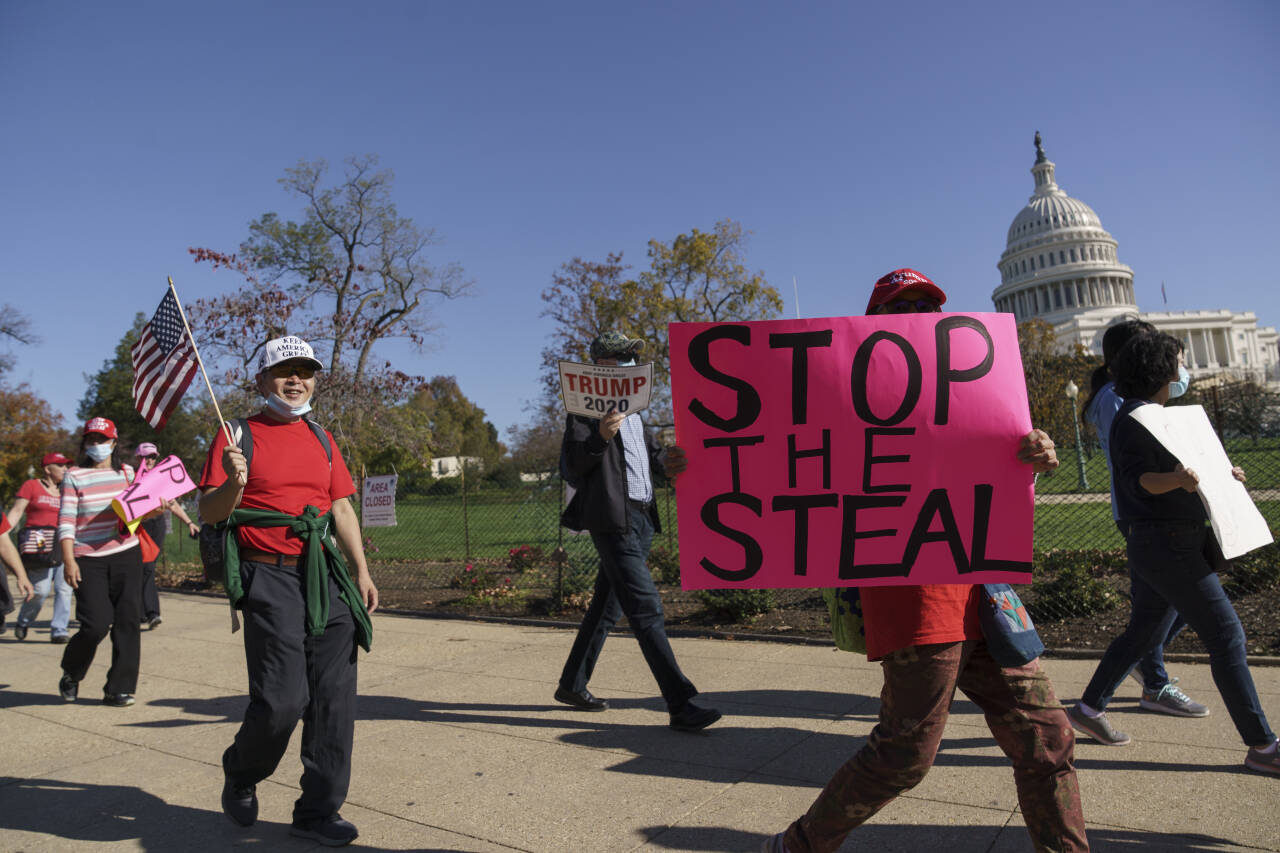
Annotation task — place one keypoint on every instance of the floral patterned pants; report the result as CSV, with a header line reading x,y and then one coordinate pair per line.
x,y
1025,717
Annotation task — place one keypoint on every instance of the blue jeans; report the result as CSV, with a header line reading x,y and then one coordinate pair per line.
x,y
1151,665
43,579
1172,574
625,585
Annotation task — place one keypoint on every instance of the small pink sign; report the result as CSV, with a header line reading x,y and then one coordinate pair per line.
x,y
852,451
152,490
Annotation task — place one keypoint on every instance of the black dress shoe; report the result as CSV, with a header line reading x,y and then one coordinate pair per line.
x,y
331,831
68,688
583,701
117,700
239,804
19,632
691,718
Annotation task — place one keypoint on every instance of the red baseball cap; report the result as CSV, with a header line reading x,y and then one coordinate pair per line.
x,y
101,426
900,281
55,459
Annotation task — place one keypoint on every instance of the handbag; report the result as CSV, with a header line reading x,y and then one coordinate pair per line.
x,y
1006,626
150,550
36,547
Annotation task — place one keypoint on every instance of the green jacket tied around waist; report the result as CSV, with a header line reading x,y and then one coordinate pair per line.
x,y
320,555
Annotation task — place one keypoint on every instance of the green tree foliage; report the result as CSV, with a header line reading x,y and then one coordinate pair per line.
x,y
110,395
31,429
1048,370
1237,408
458,426
697,277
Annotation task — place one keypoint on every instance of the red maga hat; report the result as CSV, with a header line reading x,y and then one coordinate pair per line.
x,y
101,426
55,459
902,280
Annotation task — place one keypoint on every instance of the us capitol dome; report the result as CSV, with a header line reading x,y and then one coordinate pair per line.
x,y
1061,266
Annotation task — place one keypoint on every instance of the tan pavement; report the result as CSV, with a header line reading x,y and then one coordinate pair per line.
x,y
459,747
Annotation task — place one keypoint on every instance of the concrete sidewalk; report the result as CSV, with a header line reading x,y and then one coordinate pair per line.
x,y
460,747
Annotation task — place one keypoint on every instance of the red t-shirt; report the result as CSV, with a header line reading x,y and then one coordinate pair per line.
x,y
895,617
42,507
4,524
289,470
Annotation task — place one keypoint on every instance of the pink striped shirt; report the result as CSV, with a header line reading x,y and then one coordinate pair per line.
x,y
85,513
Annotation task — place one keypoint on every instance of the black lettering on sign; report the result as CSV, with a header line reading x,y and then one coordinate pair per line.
x,y
748,406
733,443
869,459
753,555
861,367
982,494
799,343
823,452
946,375
939,505
800,505
850,534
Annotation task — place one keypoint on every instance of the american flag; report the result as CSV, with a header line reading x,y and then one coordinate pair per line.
x,y
163,364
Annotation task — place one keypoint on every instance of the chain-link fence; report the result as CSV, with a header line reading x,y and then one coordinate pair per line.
x,y
473,547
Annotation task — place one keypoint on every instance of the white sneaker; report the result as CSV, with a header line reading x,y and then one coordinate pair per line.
x,y
1171,700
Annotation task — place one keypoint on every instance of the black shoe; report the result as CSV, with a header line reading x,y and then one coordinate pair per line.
x,y
59,639
691,718
117,700
19,632
2,628
583,701
331,831
239,804
153,623
68,688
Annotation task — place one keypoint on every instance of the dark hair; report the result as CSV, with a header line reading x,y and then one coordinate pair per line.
x,y
83,460
1113,339
1145,363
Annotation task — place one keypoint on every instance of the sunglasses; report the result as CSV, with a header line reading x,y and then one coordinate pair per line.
x,y
909,306
284,371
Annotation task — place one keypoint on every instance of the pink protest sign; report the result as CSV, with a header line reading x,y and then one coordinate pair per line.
x,y
154,489
852,451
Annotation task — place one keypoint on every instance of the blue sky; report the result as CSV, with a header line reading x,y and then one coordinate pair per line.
x,y
848,138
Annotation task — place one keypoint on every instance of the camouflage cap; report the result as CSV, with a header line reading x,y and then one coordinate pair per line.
x,y
613,344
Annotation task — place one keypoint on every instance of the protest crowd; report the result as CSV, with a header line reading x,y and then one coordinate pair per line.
x,y
278,531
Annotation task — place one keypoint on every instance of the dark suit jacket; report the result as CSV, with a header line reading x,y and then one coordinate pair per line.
x,y
598,471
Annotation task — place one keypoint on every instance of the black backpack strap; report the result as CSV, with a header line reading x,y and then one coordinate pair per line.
x,y
323,438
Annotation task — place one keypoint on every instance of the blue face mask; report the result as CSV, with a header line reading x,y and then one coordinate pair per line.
x,y
1179,387
631,362
99,452
277,405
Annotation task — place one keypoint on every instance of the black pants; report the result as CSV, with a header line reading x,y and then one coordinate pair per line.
x,y
107,601
150,597
291,677
625,585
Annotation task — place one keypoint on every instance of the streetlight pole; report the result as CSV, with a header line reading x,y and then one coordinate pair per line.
x,y
1072,392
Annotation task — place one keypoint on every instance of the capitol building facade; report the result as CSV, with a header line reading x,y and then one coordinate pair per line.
x,y
1062,267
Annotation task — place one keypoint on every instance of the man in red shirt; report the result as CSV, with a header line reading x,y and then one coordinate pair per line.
x,y
304,613
929,642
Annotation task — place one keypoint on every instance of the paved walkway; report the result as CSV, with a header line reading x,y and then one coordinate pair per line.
x,y
460,748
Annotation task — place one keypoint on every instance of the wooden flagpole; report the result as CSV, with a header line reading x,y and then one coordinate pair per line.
x,y
216,408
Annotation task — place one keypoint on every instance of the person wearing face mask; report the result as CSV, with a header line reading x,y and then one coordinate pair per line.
x,y
1174,557
290,525
38,500
929,642
148,456
1158,690
103,564
610,462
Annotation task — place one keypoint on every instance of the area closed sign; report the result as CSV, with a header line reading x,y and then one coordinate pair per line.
x,y
378,501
